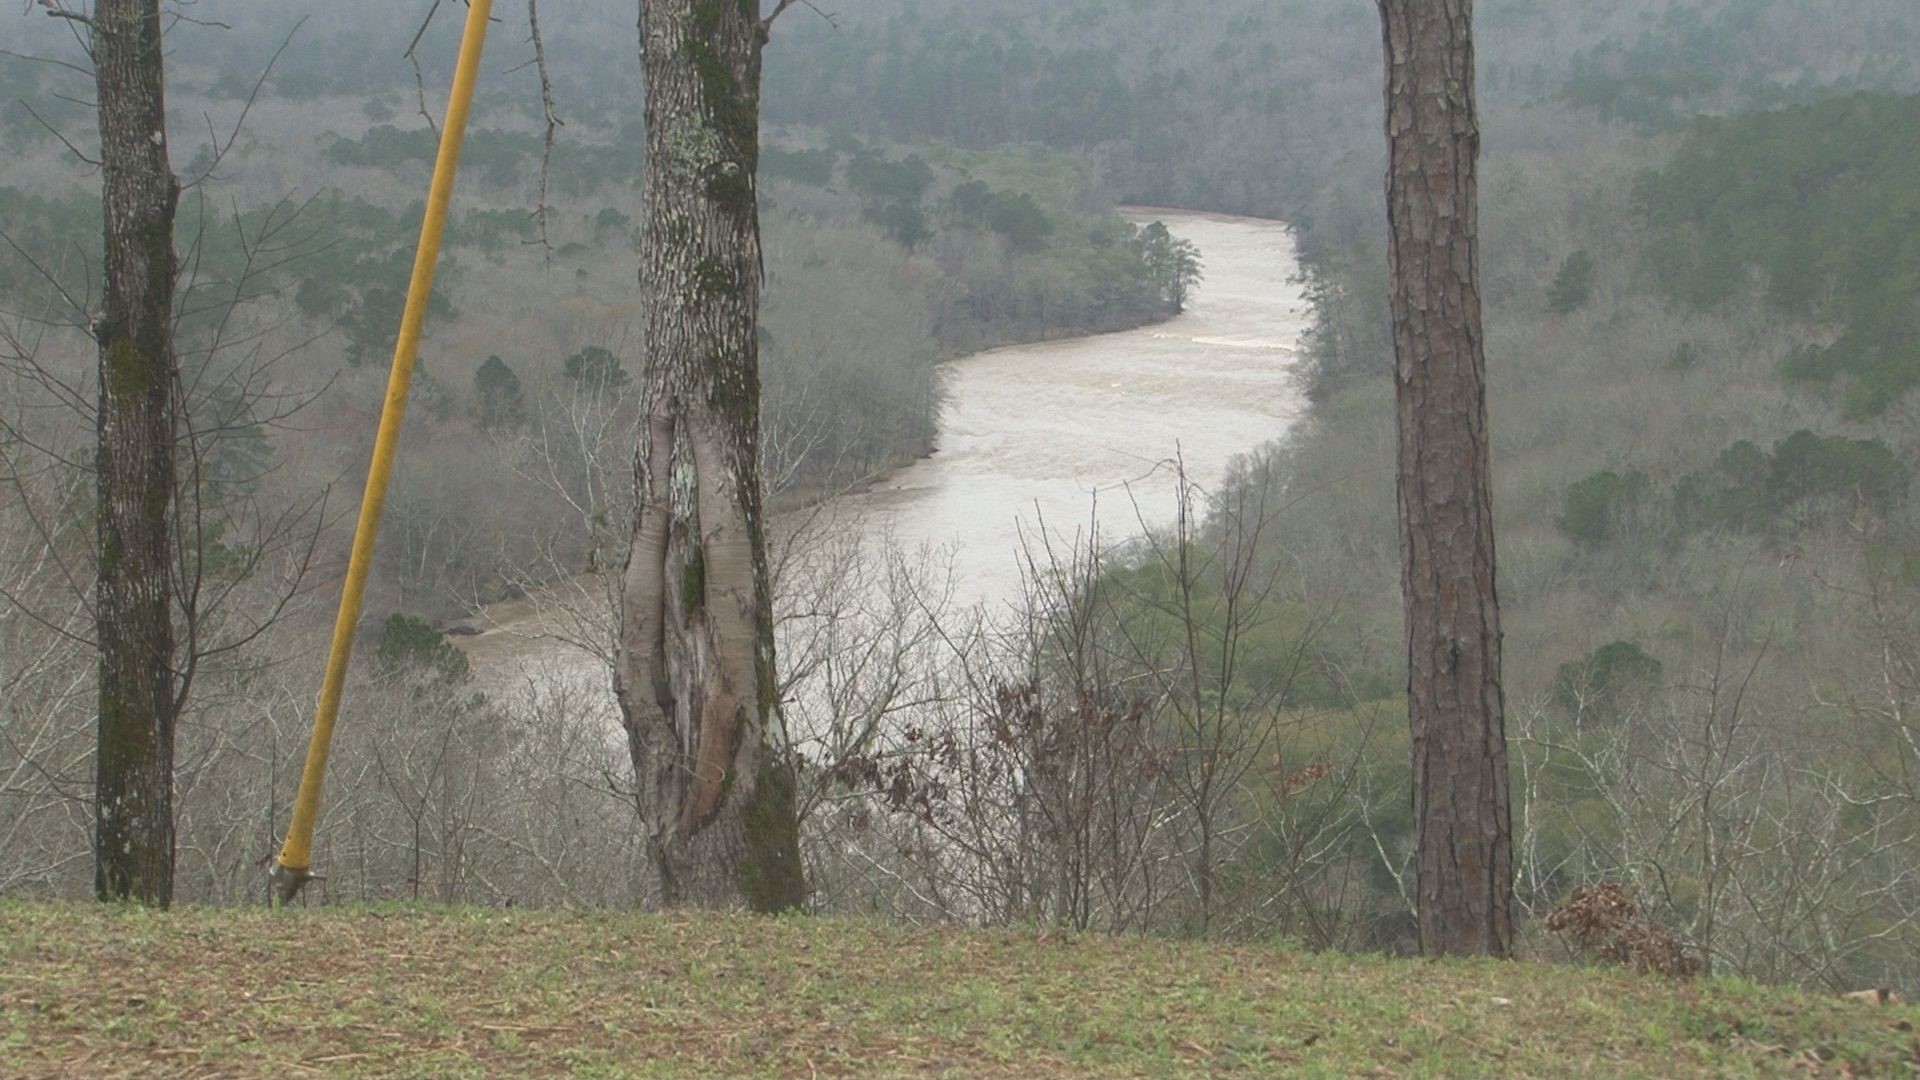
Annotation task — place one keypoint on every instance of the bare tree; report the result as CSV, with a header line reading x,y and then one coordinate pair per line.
x,y
1463,838
696,678
1184,627
189,561
133,605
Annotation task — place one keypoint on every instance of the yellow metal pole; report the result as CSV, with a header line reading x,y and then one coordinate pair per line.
x,y
296,854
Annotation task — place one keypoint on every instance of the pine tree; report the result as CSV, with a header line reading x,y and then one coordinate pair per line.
x,y
1455,708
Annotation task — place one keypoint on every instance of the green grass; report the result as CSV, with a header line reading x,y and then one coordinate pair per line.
x,y
453,993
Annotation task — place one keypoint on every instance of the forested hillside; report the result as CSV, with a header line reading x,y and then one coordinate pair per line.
x,y
308,217
303,173
1702,278
1699,270
1819,203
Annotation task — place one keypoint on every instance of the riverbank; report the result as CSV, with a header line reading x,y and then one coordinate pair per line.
x,y
1093,433
804,496
807,495
1066,435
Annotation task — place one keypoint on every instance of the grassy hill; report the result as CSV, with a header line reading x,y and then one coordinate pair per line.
x,y
391,992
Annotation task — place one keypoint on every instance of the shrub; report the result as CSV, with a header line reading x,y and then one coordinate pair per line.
x,y
1749,489
904,223
409,646
611,217
497,398
1605,923
1807,466
1598,509
892,191
595,368
1605,678
1573,286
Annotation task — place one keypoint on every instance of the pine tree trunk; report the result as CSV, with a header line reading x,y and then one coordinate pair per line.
x,y
1463,833
695,678
133,811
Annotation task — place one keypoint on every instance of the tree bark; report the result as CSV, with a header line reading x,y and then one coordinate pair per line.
x,y
1463,856
133,807
695,677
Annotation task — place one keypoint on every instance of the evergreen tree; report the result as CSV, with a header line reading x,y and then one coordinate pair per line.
x,y
1573,285
1463,844
496,393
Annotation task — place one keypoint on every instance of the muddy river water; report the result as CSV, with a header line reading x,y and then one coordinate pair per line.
x,y
1045,433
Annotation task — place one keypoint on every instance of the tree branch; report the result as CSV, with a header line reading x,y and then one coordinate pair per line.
x,y
76,68
413,57
554,123
59,11
220,149
55,132
766,24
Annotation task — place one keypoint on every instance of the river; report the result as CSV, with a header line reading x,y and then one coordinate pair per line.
x,y
1046,432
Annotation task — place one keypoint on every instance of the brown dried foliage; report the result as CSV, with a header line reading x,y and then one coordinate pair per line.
x,y
1606,923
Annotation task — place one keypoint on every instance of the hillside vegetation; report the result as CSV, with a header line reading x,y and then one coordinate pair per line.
x,y
1819,203
1701,271
1700,284
392,992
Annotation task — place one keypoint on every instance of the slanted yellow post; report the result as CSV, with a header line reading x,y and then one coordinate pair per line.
x,y
294,868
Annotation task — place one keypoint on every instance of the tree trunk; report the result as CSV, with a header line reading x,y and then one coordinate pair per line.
x,y
1463,835
133,808
695,677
